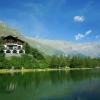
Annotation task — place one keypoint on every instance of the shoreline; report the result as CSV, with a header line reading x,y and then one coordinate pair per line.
x,y
38,70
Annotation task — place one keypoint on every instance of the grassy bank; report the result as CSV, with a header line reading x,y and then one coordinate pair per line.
x,y
16,70
80,68
33,70
4,71
27,70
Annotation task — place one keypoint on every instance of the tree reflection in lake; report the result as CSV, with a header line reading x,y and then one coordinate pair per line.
x,y
72,85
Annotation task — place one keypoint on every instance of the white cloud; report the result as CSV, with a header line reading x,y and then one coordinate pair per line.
x,y
79,36
97,36
88,32
79,18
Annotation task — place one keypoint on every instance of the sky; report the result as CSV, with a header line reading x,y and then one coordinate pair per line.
x,y
68,20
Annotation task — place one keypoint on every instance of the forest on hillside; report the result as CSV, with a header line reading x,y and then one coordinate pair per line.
x,y
34,62
34,59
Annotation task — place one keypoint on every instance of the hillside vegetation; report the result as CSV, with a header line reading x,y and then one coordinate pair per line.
x,y
39,62
33,59
49,53
51,47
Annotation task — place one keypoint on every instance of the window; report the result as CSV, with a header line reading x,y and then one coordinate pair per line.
x,y
19,47
14,51
8,51
10,47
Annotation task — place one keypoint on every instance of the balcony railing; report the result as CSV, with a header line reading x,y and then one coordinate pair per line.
x,y
13,48
11,44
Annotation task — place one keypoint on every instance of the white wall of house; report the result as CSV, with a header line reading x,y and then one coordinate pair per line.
x,y
14,47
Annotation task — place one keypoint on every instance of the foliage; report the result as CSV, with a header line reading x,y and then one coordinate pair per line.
x,y
1,46
25,61
33,51
2,59
77,61
33,59
54,63
29,62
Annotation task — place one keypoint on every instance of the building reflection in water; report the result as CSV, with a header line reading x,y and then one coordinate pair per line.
x,y
11,87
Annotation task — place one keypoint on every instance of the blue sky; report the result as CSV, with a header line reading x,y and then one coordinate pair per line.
x,y
69,20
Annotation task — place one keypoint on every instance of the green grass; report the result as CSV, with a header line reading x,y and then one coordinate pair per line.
x,y
33,70
4,71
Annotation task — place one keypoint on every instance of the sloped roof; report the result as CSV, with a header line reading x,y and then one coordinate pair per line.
x,y
15,37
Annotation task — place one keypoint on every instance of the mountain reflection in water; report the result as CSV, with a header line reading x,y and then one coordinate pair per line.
x,y
51,85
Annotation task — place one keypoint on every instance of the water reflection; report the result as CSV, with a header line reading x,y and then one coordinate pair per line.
x,y
50,85
11,87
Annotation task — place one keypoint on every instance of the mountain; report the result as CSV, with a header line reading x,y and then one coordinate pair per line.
x,y
50,47
68,48
6,30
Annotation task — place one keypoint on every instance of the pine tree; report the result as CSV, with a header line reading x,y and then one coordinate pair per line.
x,y
1,46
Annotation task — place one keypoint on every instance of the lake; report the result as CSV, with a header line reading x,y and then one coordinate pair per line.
x,y
51,85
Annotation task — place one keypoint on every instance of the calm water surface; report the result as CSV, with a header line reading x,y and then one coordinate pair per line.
x,y
51,85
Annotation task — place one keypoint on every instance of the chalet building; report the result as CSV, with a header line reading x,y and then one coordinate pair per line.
x,y
13,45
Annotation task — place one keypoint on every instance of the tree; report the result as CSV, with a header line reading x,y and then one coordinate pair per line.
x,y
73,63
77,62
1,46
27,48
2,59
68,58
62,61
88,61
54,62
36,54
33,51
95,62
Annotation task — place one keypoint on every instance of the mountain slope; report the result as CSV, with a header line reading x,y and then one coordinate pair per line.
x,y
6,30
50,47
58,46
